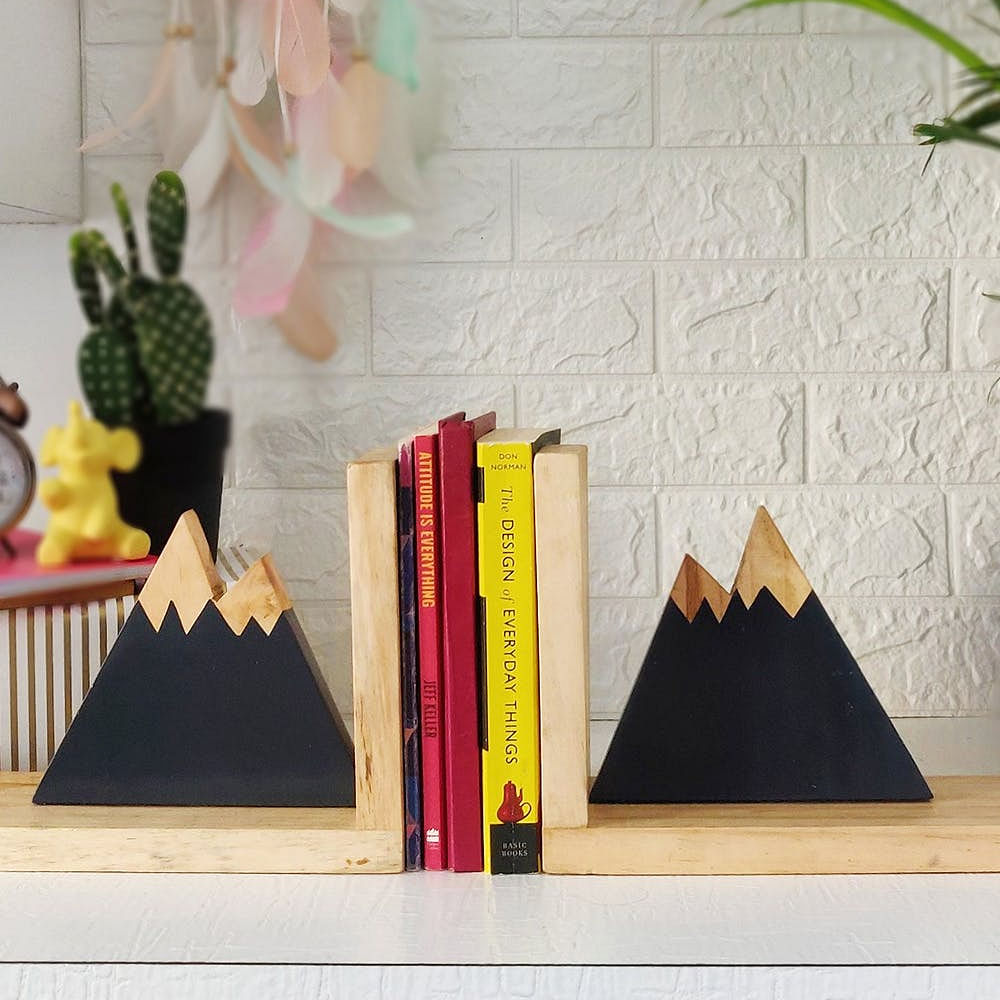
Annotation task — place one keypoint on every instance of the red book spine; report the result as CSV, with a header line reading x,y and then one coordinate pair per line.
x,y
463,777
429,639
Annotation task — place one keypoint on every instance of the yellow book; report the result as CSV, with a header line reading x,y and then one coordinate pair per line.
x,y
509,628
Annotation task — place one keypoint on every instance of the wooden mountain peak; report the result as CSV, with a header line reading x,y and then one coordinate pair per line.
x,y
695,585
768,562
259,594
184,574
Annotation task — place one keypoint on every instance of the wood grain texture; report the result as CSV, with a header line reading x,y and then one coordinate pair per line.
x,y
695,585
260,594
768,562
561,552
378,747
959,831
184,574
182,839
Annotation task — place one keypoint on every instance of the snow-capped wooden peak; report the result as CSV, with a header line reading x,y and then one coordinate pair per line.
x,y
185,576
695,585
768,562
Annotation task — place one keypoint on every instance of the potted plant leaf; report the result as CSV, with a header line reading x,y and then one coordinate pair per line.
x,y
146,361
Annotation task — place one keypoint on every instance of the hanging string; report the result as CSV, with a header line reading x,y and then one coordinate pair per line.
x,y
286,125
222,32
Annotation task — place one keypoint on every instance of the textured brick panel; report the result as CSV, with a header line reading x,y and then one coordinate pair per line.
x,y
880,203
975,519
471,321
305,531
904,431
784,91
620,634
622,543
924,657
539,95
327,626
977,318
661,431
137,20
644,17
297,433
660,205
469,18
467,216
850,541
787,318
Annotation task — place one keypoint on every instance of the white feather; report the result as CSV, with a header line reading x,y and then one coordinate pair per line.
x,y
203,169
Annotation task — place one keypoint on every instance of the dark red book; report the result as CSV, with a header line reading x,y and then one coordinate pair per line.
x,y
460,647
429,642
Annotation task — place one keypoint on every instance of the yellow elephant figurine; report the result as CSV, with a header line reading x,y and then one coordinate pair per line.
x,y
85,523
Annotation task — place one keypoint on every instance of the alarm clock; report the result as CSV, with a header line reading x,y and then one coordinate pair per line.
x,y
17,467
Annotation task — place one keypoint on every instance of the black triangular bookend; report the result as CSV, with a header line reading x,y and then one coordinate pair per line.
x,y
760,705
215,714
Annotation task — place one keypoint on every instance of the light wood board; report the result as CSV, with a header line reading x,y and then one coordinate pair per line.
x,y
170,839
959,831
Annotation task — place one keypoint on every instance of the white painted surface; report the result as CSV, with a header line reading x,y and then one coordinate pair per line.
x,y
39,111
443,918
422,983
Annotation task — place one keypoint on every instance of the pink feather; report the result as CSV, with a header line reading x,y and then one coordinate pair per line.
x,y
304,52
303,322
321,171
271,261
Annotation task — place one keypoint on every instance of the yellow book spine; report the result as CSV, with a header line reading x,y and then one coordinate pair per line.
x,y
511,751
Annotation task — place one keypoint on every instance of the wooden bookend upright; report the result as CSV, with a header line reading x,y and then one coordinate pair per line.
x,y
958,831
173,838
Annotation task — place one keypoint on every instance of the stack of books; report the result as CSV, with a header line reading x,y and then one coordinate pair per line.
x,y
469,645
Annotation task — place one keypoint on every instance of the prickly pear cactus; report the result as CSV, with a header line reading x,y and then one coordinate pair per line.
x,y
174,333
166,207
148,355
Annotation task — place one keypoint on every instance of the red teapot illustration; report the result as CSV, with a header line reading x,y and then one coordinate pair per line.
x,y
513,808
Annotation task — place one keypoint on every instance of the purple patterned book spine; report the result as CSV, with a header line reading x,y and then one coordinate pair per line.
x,y
408,649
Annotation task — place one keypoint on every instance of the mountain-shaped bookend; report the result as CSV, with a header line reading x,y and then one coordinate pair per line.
x,y
752,696
207,698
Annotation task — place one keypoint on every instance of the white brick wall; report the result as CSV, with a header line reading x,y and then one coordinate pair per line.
x,y
706,248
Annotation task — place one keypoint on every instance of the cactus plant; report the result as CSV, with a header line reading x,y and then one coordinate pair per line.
x,y
148,354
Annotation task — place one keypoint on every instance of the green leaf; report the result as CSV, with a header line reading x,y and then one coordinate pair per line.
x,y
934,134
898,14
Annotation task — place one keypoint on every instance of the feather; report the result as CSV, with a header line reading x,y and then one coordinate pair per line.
x,y
280,185
303,322
183,116
357,118
321,171
304,52
354,8
396,42
258,139
271,261
203,169
254,57
157,89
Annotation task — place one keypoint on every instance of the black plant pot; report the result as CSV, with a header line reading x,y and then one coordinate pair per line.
x,y
181,469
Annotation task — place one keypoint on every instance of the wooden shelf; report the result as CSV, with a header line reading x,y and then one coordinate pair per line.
x,y
959,831
197,839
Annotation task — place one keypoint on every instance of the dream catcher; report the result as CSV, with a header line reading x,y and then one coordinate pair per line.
x,y
323,105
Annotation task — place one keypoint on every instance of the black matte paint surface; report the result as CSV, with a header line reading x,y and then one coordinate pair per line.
x,y
204,719
760,707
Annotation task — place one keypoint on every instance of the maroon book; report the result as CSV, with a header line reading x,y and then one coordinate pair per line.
x,y
460,648
430,642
